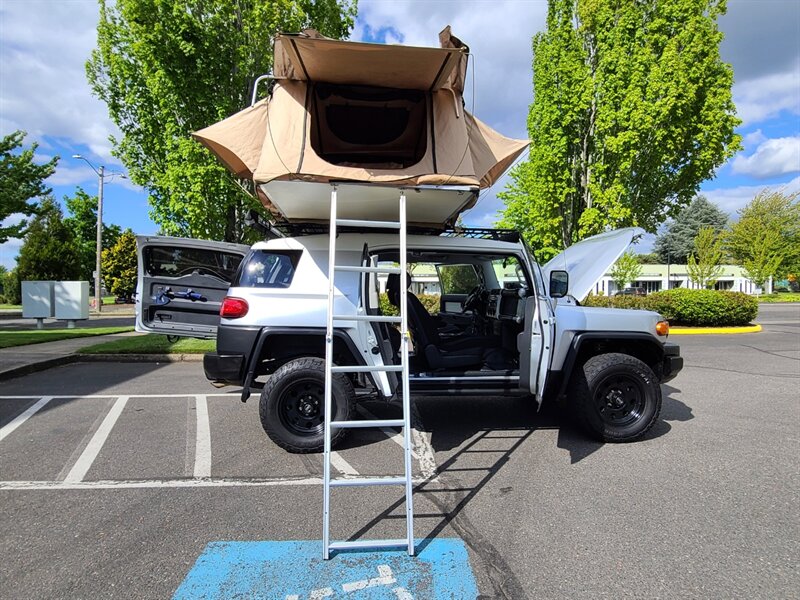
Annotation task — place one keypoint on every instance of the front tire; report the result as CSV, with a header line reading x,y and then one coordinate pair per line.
x,y
617,397
292,405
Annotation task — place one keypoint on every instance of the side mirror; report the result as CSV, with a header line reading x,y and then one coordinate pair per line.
x,y
559,284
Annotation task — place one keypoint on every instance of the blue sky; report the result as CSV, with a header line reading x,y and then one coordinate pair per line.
x,y
44,45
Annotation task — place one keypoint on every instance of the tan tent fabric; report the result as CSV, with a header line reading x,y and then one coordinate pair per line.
x,y
491,152
237,140
319,59
345,111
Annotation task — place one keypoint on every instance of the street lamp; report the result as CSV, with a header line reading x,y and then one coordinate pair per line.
x,y
101,174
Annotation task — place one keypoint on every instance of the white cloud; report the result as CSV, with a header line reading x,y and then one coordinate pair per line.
x,y
753,138
773,157
765,97
43,88
731,200
9,252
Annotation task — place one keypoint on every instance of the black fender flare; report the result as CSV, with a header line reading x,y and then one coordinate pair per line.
x,y
584,337
266,332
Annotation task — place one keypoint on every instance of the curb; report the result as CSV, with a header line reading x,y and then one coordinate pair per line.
x,y
156,358
714,330
42,365
58,361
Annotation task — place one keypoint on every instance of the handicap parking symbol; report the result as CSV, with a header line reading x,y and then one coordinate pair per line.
x,y
296,571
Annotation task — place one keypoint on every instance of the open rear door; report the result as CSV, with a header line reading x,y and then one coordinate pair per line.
x,y
181,284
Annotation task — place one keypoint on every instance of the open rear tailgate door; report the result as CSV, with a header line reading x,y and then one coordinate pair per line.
x,y
181,284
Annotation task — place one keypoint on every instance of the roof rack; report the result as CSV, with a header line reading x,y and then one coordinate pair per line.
x,y
482,233
477,233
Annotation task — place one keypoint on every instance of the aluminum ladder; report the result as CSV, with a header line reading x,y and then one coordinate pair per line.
x,y
330,370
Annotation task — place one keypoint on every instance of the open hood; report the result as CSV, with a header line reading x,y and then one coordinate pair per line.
x,y
590,259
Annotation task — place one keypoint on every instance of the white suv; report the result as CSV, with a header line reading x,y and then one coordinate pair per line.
x,y
504,325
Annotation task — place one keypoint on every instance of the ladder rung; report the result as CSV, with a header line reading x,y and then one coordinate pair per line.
x,y
368,269
367,544
360,369
367,481
373,318
363,223
368,423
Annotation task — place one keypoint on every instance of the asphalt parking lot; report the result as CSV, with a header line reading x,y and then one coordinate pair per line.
x,y
114,478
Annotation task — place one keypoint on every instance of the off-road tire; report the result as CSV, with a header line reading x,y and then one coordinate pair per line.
x,y
615,397
292,405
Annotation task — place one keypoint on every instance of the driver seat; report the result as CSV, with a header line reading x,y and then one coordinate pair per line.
x,y
464,351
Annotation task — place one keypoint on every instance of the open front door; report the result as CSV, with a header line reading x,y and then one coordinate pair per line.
x,y
181,284
535,345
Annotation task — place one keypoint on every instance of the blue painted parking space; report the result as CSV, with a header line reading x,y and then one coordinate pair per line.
x,y
296,571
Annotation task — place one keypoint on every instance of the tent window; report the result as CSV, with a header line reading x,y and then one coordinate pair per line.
x,y
361,126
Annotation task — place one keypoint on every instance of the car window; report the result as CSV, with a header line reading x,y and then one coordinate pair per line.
x,y
509,272
177,262
269,269
458,279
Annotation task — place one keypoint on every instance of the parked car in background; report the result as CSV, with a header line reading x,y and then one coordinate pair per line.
x,y
632,291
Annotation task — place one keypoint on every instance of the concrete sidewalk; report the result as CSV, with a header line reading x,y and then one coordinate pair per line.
x,y
21,360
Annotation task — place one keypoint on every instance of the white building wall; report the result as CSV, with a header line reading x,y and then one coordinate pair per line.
x,y
660,277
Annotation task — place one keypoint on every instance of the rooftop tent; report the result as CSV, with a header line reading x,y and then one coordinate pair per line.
x,y
363,113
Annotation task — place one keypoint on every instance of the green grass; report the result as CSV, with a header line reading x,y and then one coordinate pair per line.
x,y
11,306
151,344
38,336
780,297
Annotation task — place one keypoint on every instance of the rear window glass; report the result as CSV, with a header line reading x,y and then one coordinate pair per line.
x,y
269,269
177,262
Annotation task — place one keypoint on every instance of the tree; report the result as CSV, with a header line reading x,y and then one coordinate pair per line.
x,y
626,270
119,265
632,110
82,221
21,180
651,258
677,242
704,263
12,291
48,251
166,68
766,239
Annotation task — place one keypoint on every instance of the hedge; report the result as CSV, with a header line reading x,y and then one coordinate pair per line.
x,y
699,308
429,301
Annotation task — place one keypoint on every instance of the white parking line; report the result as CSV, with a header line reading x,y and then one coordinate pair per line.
x,y
202,449
84,462
388,432
95,396
21,418
165,483
341,465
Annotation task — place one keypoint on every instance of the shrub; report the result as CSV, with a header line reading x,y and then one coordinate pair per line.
x,y
617,302
429,301
703,308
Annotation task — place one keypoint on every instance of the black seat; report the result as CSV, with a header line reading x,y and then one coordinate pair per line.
x,y
464,351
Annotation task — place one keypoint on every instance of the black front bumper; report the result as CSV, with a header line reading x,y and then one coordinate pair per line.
x,y
673,362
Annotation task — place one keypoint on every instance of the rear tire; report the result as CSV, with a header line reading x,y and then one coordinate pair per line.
x,y
292,405
616,397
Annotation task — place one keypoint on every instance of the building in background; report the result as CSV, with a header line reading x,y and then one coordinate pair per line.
x,y
655,278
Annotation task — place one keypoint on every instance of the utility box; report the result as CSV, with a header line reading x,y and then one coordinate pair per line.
x,y
72,300
38,300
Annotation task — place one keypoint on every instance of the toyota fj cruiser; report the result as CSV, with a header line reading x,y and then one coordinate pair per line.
x,y
504,326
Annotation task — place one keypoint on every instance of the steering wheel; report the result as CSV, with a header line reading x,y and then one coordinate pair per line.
x,y
473,298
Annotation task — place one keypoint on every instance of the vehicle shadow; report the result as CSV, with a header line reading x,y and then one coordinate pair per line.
x,y
468,426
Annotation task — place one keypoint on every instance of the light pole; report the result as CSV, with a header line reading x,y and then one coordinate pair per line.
x,y
101,175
